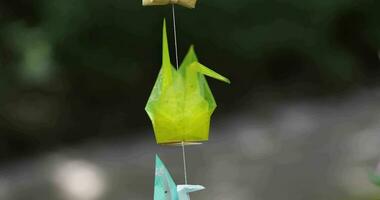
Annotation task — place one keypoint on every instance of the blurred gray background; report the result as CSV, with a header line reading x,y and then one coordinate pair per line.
x,y
301,119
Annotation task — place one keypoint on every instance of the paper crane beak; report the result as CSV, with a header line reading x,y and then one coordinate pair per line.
x,y
185,3
189,188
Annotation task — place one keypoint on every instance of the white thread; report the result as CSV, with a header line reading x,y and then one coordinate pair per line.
x,y
184,161
177,65
175,37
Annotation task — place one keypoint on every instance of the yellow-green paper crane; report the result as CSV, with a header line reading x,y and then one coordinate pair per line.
x,y
181,103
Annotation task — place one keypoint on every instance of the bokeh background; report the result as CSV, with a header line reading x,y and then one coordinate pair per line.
x,y
301,119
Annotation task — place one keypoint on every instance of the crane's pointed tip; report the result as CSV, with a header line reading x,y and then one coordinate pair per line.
x,y
224,79
158,161
192,50
157,158
165,46
190,188
227,81
164,25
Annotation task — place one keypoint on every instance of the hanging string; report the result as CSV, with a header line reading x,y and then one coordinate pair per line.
x,y
177,66
175,37
184,161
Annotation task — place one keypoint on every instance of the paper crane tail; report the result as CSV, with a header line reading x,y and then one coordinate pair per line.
x,y
164,186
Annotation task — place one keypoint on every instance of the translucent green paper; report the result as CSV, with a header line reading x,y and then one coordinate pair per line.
x,y
181,103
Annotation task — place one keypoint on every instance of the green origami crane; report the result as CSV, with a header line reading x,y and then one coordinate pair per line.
x,y
181,103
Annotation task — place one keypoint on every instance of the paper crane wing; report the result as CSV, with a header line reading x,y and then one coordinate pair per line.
x,y
181,103
164,186
185,3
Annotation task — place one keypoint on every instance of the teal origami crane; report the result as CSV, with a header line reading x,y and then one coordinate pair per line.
x,y
165,187
181,103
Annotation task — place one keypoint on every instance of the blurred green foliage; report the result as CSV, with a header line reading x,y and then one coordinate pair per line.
x,y
375,178
71,69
